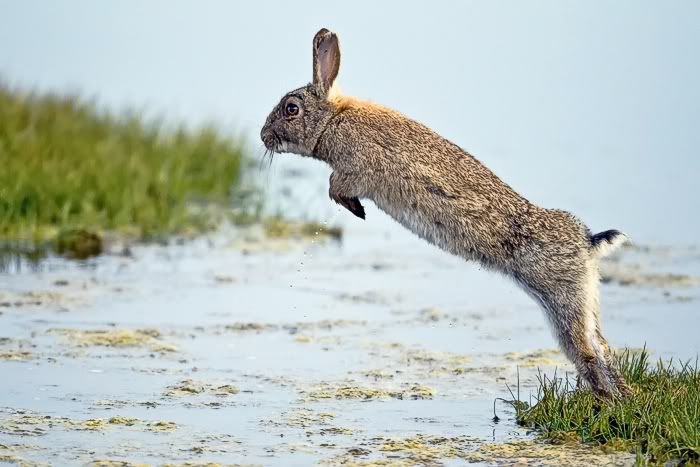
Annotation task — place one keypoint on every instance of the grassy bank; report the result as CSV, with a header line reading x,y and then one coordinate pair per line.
x,y
66,166
661,422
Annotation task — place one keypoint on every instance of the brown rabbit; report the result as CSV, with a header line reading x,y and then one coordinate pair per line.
x,y
443,194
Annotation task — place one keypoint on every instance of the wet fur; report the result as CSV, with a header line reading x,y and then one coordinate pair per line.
x,y
444,195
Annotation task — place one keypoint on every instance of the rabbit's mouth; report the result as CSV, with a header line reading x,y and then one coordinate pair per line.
x,y
271,140
276,145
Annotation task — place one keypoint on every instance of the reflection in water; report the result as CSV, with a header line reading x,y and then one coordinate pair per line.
x,y
21,256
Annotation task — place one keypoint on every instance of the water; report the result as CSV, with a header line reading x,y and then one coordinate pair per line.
x,y
283,323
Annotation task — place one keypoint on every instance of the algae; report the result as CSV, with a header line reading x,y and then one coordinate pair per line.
x,y
90,424
420,363
537,358
16,356
302,418
190,387
113,463
436,358
369,297
293,328
635,275
118,404
378,373
313,423
349,461
128,421
330,391
278,227
8,456
15,460
432,315
161,426
95,424
248,327
420,449
21,423
207,464
334,430
544,454
119,338
427,449
224,279
25,423
32,298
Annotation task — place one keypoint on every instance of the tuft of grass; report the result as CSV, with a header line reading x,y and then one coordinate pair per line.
x,y
660,422
68,166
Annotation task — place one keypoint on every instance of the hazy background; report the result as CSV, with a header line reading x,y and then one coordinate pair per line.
x,y
588,106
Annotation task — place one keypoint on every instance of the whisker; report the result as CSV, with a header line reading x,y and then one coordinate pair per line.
x,y
261,160
266,159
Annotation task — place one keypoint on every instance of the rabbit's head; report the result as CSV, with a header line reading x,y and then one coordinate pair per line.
x,y
299,119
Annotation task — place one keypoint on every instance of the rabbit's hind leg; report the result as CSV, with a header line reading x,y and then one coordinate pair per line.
x,y
591,290
572,309
621,385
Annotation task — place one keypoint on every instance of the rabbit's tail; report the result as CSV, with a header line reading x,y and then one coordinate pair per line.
x,y
604,243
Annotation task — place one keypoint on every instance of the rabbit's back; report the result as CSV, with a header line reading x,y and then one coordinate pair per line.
x,y
441,192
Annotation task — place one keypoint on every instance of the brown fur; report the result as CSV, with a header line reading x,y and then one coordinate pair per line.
x,y
444,195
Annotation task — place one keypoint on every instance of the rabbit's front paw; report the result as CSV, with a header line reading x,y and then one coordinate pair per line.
x,y
354,206
338,189
351,204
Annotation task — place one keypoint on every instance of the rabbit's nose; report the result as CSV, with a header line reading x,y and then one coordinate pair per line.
x,y
265,135
268,137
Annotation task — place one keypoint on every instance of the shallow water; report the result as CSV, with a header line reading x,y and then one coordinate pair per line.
x,y
291,352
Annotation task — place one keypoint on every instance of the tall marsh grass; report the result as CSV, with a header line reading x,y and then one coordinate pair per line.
x,y
67,165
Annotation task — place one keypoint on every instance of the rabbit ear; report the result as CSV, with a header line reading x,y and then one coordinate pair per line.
x,y
326,61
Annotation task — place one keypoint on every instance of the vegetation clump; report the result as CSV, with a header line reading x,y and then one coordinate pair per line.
x,y
71,171
191,387
118,338
279,227
329,391
660,422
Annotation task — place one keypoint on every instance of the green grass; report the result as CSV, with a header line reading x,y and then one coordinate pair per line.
x,y
660,422
67,166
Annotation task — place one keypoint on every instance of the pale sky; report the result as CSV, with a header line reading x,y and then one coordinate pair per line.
x,y
590,106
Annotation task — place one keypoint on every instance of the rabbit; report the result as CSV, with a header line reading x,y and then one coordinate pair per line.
x,y
446,196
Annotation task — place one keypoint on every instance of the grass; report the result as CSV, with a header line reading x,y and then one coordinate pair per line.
x,y
660,422
68,166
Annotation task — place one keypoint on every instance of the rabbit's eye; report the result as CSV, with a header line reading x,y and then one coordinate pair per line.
x,y
291,109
